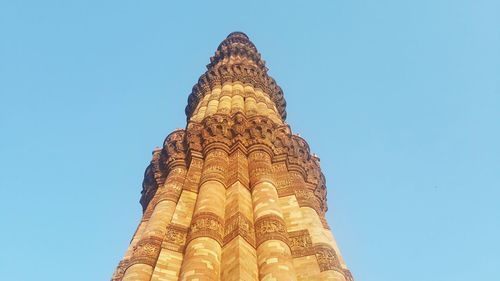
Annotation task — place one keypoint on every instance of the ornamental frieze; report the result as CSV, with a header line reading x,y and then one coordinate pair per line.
x,y
300,148
216,130
280,169
327,258
222,128
307,194
320,192
260,174
259,156
176,175
174,144
171,191
174,150
313,171
194,137
172,195
257,129
175,238
120,271
270,227
348,275
284,187
217,155
324,222
282,141
215,166
206,224
239,127
259,170
284,184
239,224
306,198
146,251
261,128
301,243
260,167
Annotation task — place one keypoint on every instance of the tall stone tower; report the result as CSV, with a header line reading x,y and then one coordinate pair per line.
x,y
235,195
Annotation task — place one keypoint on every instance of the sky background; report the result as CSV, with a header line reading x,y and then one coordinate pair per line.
x,y
400,99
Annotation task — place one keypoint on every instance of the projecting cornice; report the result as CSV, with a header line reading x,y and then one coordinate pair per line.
x,y
228,133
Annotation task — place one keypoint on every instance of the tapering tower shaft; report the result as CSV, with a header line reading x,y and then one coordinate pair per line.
x,y
235,195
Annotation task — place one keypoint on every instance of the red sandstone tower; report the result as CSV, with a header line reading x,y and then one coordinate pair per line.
x,y
235,195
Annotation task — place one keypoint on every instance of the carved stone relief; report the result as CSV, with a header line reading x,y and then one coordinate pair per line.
x,y
175,238
236,225
205,224
270,227
327,258
301,243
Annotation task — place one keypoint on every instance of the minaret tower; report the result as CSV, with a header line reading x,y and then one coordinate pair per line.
x,y
235,195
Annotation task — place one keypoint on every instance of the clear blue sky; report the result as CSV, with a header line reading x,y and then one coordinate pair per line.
x,y
400,99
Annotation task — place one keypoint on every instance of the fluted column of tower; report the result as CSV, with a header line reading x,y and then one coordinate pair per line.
x,y
235,195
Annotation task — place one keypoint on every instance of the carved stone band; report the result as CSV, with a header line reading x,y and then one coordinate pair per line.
x,y
205,224
348,275
301,243
120,270
270,227
146,251
236,225
173,193
327,258
306,198
175,238
215,167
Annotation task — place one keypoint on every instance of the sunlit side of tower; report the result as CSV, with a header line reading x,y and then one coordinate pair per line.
x,y
235,195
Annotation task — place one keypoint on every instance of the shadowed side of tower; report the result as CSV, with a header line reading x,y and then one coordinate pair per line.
x,y
235,195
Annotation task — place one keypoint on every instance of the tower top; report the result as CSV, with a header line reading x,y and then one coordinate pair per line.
x,y
237,34
236,60
237,37
237,49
